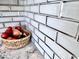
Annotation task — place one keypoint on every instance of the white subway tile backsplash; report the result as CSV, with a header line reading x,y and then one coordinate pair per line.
x,y
27,8
31,27
56,57
57,0
1,25
64,26
39,48
30,15
39,1
46,56
8,2
52,9
18,8
40,18
18,19
69,43
4,8
5,19
35,8
22,13
37,12
2,30
34,23
50,52
48,31
10,14
23,23
32,39
11,24
25,13
58,50
30,2
35,37
39,34
27,20
22,2
70,10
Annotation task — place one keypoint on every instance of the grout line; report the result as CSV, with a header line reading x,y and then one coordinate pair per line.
x,y
56,37
46,21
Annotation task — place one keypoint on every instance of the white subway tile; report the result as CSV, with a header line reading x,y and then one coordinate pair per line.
x,y
25,13
11,24
5,19
31,27
27,20
22,2
52,9
19,8
2,30
27,8
39,48
49,52
46,56
39,34
35,37
1,25
8,2
10,14
58,50
18,18
55,0
48,31
40,18
32,39
71,9
23,23
30,2
30,15
69,43
34,23
39,1
22,13
4,8
64,26
35,8
56,57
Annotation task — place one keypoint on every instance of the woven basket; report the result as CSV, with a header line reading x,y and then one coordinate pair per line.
x,y
18,43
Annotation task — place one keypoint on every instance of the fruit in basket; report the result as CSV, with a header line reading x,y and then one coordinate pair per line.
x,y
13,33
26,33
9,31
18,28
16,32
4,35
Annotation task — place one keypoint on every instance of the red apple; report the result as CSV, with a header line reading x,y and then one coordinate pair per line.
x,y
16,33
27,33
4,35
9,30
18,28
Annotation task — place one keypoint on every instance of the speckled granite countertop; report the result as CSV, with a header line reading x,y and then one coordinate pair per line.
x,y
28,52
